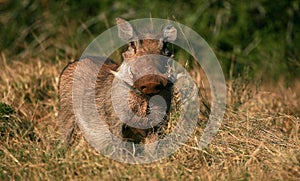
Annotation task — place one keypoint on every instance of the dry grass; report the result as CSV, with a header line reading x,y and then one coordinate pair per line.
x,y
258,139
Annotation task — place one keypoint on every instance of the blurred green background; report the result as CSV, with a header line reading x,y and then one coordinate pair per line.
x,y
259,38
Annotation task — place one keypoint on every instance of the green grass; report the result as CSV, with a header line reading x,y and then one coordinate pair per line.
x,y
256,43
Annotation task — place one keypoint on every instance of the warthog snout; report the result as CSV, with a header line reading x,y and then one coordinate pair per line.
x,y
151,84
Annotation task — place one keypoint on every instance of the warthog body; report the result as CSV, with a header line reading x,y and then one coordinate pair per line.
x,y
139,73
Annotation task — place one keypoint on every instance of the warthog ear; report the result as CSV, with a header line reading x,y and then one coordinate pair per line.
x,y
169,33
125,30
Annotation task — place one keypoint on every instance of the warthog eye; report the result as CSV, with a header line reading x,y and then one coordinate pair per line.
x,y
132,45
166,50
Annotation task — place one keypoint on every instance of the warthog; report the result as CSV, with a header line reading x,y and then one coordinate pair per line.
x,y
146,77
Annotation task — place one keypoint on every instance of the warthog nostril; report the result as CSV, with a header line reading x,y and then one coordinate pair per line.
x,y
151,84
159,87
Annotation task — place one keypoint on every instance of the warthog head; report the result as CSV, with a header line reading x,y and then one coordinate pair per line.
x,y
146,71
141,68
